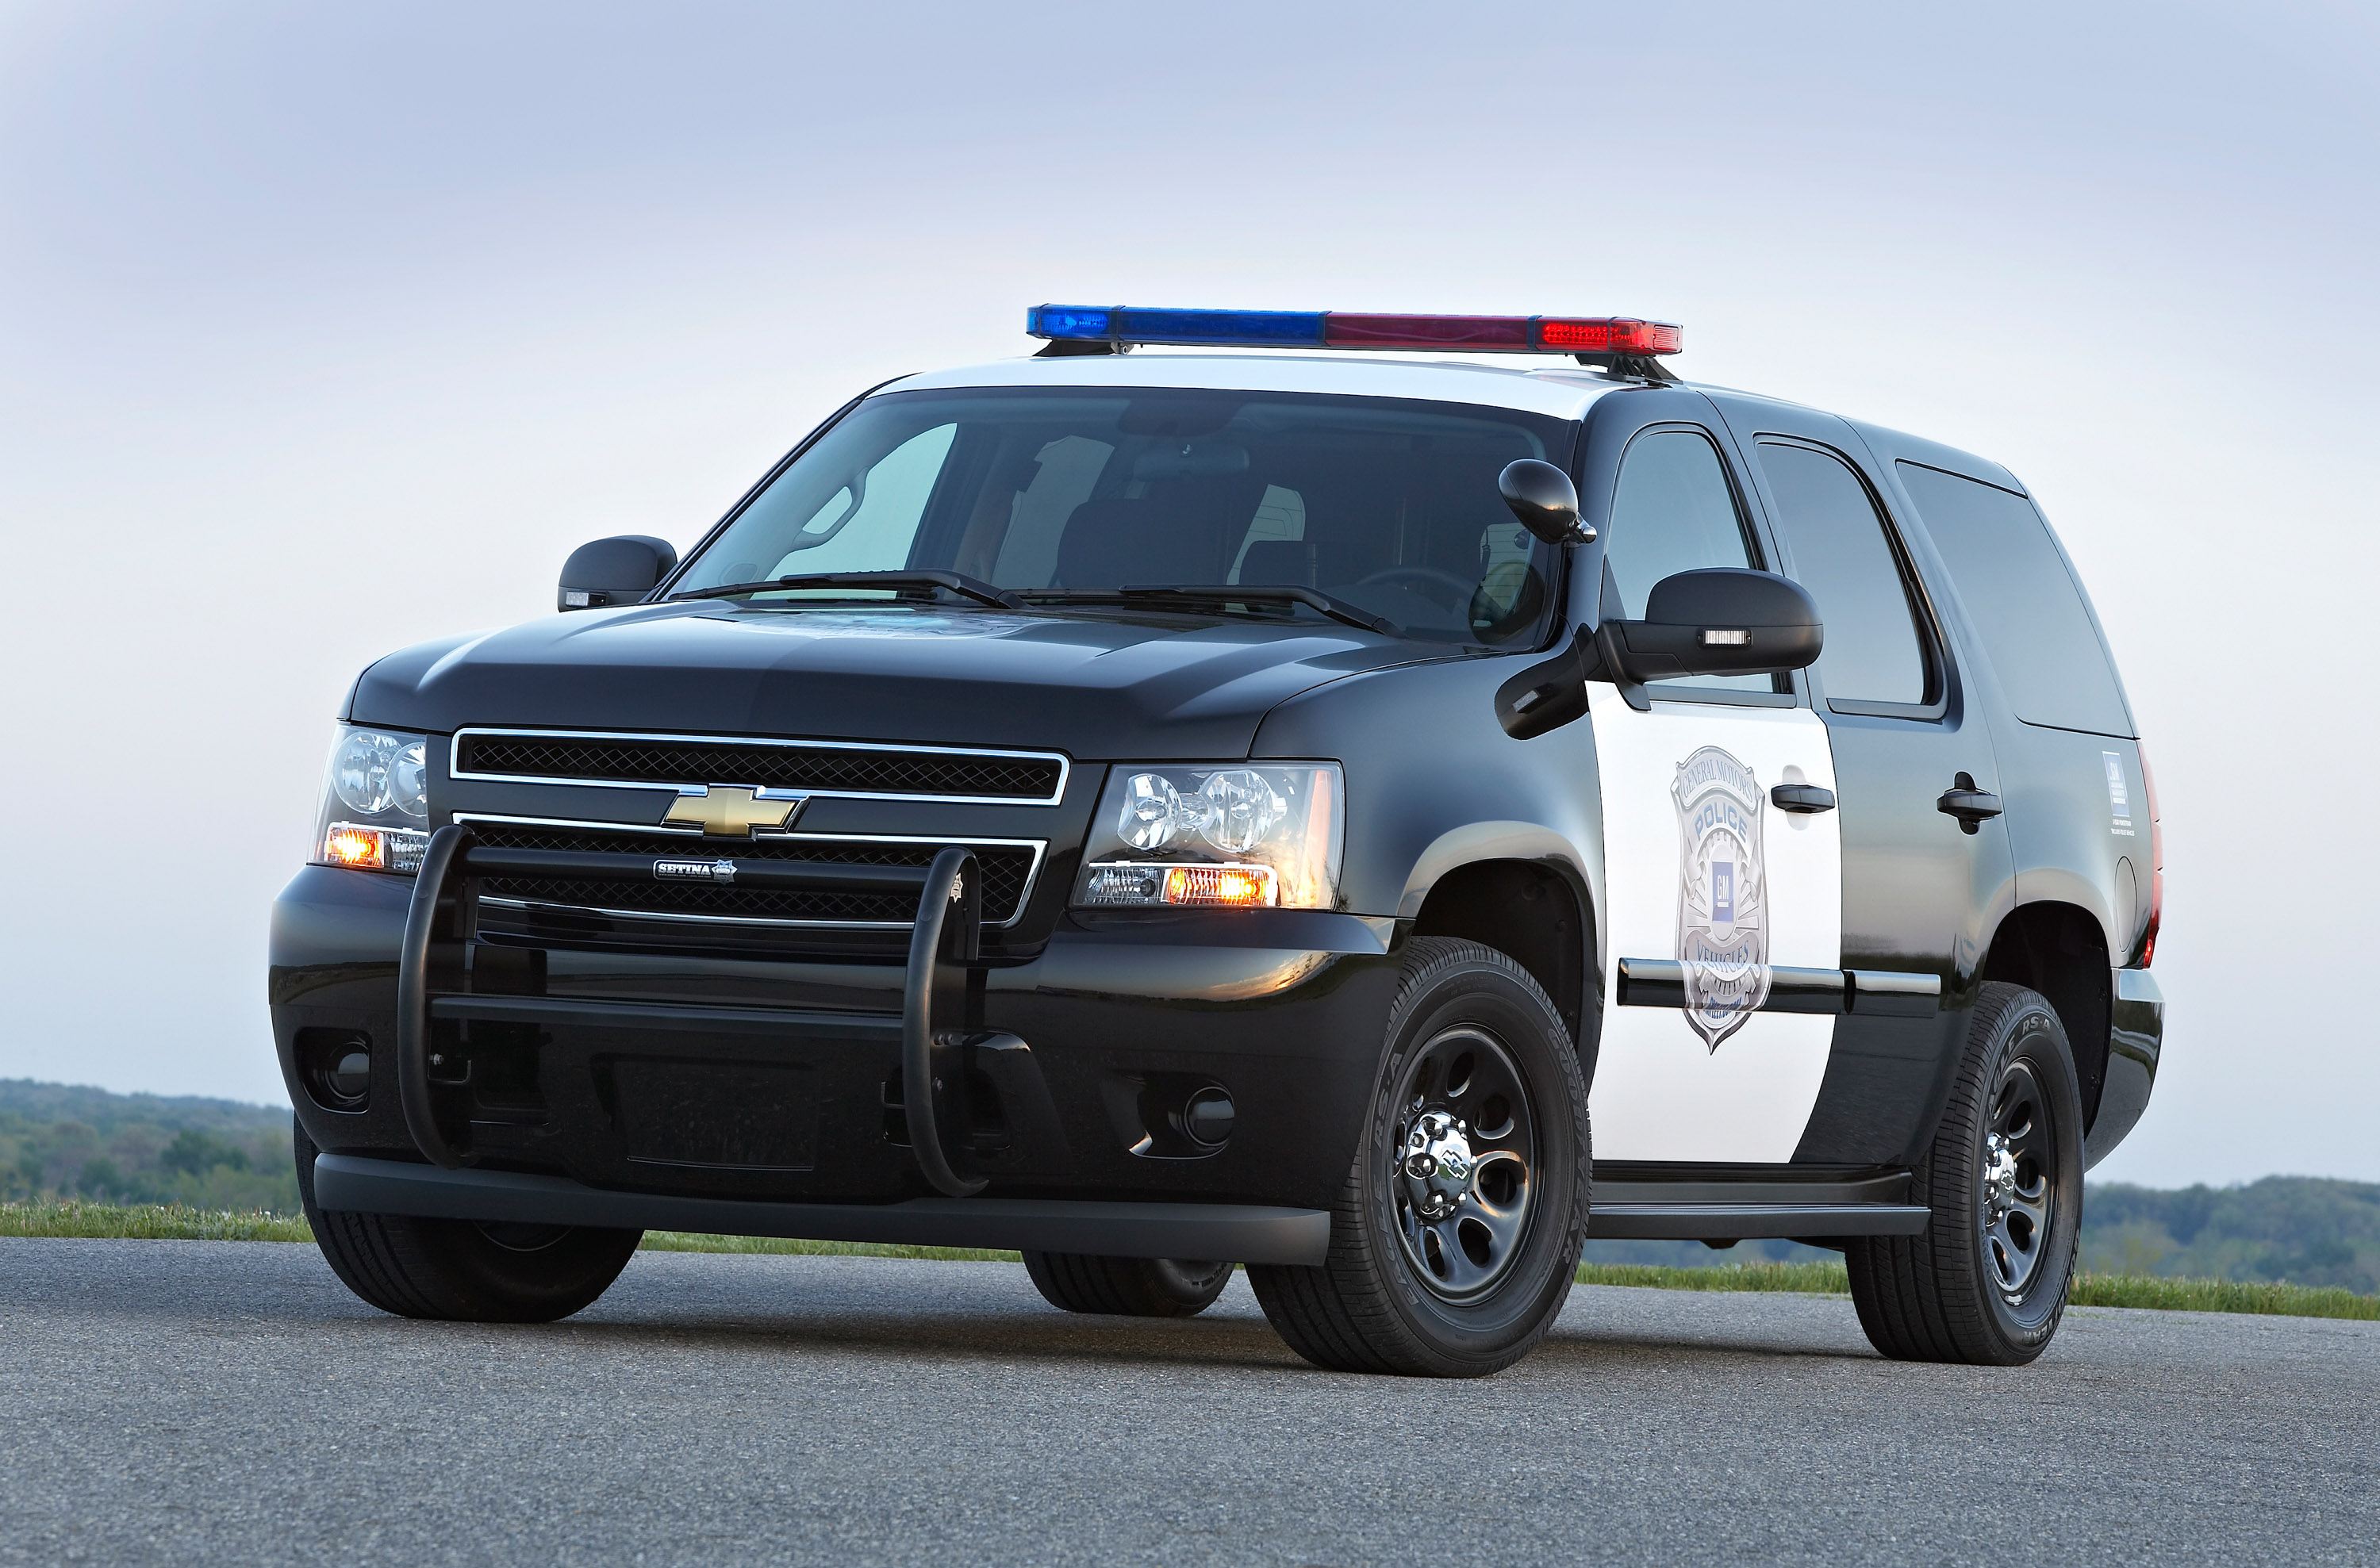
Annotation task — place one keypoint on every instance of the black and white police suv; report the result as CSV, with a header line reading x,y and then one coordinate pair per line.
x,y
1250,803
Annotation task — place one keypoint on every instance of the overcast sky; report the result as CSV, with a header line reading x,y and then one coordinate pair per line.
x,y
326,330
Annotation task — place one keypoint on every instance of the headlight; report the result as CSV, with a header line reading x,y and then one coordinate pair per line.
x,y
1233,834
375,810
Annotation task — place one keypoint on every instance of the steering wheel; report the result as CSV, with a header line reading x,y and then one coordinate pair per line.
x,y
1419,578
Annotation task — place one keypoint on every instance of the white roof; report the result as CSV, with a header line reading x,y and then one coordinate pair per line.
x,y
1563,393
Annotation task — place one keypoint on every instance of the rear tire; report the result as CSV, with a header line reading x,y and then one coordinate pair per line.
x,y
1456,1237
1126,1287
459,1269
1986,1283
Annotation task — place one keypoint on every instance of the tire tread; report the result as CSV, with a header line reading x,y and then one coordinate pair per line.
x,y
1340,1316
402,1264
1921,1297
1081,1282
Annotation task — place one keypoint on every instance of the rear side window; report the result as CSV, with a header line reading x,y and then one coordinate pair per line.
x,y
2023,599
1843,554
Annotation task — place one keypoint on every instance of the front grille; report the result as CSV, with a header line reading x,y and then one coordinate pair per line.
x,y
1007,876
636,759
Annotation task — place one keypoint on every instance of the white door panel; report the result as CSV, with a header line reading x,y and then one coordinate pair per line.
x,y
1700,865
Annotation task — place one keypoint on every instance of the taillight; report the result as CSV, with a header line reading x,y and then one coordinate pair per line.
x,y
2157,861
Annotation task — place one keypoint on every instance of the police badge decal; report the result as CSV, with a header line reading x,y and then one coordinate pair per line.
x,y
1723,893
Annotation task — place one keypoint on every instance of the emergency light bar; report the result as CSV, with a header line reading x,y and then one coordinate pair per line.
x,y
1339,328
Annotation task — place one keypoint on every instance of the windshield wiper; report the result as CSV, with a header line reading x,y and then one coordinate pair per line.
x,y
1230,593
958,582
976,588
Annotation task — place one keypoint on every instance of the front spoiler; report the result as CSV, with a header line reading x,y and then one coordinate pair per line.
x,y
1206,1232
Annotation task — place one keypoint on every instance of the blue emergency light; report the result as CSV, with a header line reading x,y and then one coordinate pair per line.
x,y
1121,325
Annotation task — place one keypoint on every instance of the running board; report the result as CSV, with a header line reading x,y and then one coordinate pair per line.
x,y
1721,1211
1218,1233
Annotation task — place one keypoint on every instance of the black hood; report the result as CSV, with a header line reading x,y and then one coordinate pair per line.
x,y
1101,686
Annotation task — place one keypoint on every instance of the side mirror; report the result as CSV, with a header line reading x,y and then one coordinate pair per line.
x,y
621,570
1544,501
1721,621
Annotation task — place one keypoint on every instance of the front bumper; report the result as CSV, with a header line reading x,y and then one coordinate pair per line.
x,y
774,1088
1241,1233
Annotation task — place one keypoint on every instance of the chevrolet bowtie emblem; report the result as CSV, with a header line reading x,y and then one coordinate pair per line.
x,y
730,810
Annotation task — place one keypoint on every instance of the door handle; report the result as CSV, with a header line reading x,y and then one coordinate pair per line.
x,y
1971,806
1802,799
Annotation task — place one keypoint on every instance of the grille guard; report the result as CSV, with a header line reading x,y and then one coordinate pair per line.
x,y
938,1018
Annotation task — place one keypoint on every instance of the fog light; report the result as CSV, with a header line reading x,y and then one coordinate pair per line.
x,y
1210,1116
350,1077
335,1065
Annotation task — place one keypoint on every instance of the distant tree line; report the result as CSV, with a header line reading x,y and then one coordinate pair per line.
x,y
58,1140
2301,1229
2304,1230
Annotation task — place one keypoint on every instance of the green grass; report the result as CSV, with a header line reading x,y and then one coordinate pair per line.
x,y
2147,1291
148,1221
2222,1296
161,1222
1807,1279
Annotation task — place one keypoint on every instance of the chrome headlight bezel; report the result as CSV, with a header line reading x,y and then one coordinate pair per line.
x,y
1225,835
373,812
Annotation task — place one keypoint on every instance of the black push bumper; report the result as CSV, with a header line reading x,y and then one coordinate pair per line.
x,y
721,1091
935,1042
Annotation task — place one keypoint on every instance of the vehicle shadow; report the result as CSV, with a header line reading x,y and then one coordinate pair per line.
x,y
972,1312
1234,1334
1218,1343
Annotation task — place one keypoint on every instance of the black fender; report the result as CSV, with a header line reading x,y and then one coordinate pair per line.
x,y
1434,785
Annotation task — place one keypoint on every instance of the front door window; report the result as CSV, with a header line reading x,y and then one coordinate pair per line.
x,y
1676,511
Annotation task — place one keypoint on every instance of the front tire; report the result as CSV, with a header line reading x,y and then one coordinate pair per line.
x,y
1986,1283
459,1269
1456,1237
1127,1287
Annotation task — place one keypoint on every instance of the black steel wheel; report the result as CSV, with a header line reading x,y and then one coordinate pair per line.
x,y
460,1268
1986,1282
1466,1152
1128,1287
1457,1234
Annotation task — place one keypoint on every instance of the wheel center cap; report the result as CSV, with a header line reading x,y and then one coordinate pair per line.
x,y
1437,1163
1999,1172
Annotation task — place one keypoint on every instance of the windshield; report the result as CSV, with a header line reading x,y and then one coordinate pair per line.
x,y
1387,504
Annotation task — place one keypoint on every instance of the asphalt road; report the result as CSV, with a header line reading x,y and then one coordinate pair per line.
x,y
198,1402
